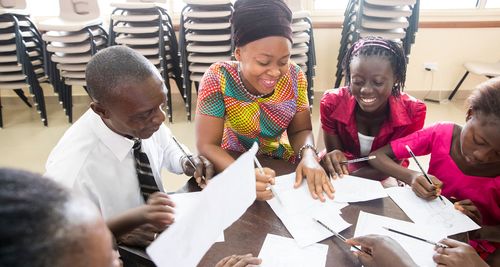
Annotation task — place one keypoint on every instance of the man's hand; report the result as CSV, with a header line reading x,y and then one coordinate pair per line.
x,y
457,254
141,236
202,171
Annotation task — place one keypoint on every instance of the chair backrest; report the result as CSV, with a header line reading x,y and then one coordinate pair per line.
x,y
79,10
14,4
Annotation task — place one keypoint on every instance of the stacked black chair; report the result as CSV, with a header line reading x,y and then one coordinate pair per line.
x,y
147,28
389,19
204,38
21,56
71,40
303,52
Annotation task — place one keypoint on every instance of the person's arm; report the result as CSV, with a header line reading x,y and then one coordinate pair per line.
x,y
300,134
158,212
239,261
385,162
209,131
385,252
457,254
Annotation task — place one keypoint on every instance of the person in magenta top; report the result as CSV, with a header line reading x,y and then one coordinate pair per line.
x,y
370,110
465,161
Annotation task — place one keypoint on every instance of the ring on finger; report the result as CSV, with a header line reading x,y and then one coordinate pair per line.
x,y
155,236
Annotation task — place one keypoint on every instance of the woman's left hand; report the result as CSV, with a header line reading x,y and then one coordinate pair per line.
x,y
317,180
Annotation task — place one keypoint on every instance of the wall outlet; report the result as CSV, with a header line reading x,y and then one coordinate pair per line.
x,y
430,66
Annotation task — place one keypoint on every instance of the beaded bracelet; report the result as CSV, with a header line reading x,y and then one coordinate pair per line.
x,y
307,146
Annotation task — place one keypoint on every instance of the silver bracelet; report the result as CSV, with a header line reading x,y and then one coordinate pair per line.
x,y
307,146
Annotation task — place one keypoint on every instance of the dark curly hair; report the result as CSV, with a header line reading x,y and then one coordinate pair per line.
x,y
376,46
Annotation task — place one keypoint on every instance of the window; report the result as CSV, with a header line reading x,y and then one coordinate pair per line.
x,y
448,4
321,5
492,4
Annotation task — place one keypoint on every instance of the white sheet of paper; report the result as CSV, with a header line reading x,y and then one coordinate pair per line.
x,y
185,202
421,252
226,197
444,218
355,189
296,209
278,251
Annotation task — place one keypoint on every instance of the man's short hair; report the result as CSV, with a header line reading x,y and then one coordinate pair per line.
x,y
113,66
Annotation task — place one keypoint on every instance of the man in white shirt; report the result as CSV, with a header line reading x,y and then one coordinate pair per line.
x,y
95,155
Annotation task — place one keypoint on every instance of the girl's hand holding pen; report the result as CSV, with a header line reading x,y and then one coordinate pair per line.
x,y
468,208
332,163
423,188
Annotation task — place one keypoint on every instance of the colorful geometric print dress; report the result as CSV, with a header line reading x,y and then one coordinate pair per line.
x,y
249,118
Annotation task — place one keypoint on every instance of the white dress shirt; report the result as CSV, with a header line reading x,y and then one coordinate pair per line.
x,y
95,161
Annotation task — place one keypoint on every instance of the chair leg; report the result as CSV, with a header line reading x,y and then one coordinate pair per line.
x,y
23,97
458,86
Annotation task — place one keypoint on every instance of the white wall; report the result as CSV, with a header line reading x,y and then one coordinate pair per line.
x,y
449,48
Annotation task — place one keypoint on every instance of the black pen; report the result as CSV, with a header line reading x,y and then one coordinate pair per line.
x,y
416,237
341,237
187,155
422,170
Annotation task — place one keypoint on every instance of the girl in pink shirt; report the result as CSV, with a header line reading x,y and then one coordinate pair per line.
x,y
465,161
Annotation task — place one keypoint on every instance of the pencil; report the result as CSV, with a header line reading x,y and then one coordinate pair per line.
x,y
422,170
271,187
187,155
416,237
341,237
357,160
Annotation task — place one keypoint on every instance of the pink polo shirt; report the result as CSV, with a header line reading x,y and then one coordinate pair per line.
x,y
337,110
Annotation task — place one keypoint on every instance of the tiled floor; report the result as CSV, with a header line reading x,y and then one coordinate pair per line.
x,y
25,143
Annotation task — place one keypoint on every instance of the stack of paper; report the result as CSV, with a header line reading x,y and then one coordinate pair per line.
x,y
443,217
280,251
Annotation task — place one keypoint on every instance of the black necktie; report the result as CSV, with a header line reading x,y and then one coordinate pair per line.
x,y
147,181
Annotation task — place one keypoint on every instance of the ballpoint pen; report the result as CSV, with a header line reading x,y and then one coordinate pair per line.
x,y
422,170
341,237
271,187
187,155
357,160
416,237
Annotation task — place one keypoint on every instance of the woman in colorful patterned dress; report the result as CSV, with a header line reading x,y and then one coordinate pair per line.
x,y
260,98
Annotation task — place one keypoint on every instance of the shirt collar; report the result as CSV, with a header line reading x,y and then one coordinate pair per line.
x,y
118,144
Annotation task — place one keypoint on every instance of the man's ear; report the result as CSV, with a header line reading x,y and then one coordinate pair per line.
x,y
469,114
99,109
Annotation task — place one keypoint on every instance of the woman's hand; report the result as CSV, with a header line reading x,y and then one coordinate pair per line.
x,y
317,180
332,161
263,181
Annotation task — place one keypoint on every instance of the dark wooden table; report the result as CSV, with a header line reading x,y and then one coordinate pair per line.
x,y
247,234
